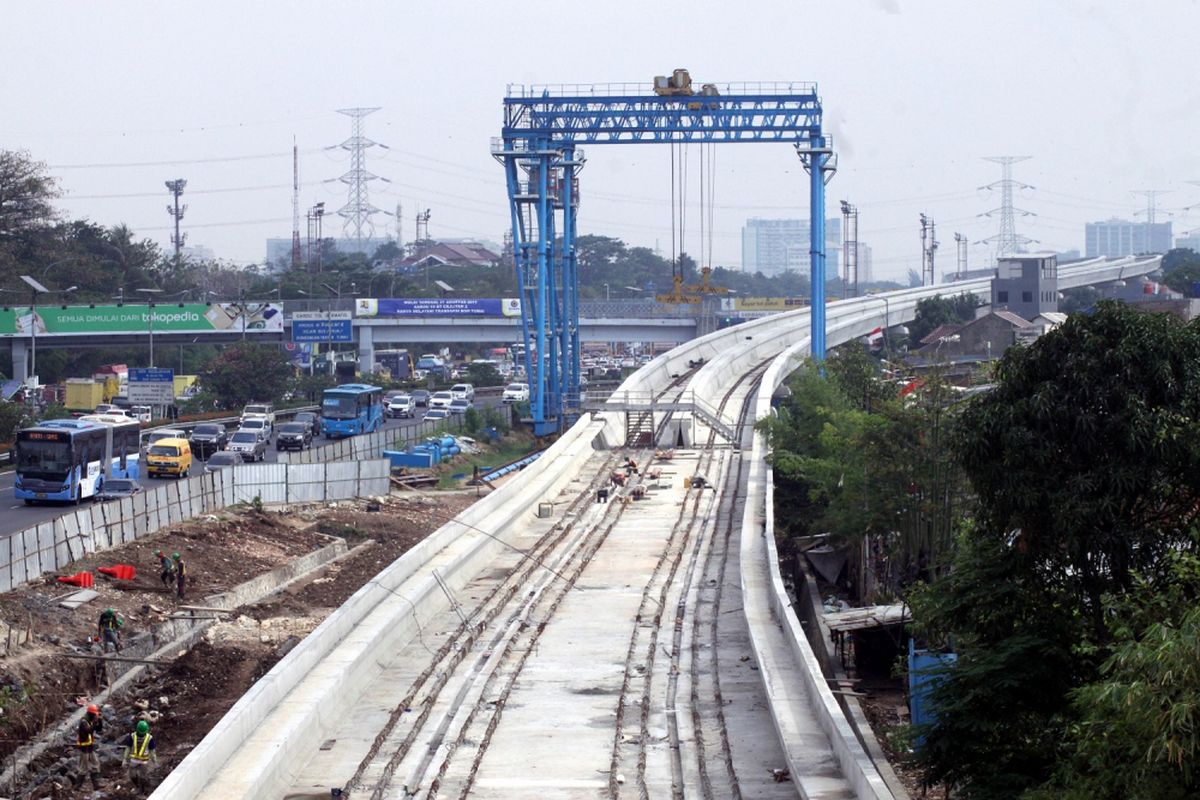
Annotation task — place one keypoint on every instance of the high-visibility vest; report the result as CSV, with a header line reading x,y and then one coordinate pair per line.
x,y
140,751
80,741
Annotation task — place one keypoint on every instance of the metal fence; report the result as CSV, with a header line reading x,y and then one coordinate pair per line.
x,y
372,445
51,545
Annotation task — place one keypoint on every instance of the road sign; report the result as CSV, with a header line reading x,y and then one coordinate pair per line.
x,y
152,386
322,326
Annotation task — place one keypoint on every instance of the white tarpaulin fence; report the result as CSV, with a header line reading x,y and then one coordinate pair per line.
x,y
50,546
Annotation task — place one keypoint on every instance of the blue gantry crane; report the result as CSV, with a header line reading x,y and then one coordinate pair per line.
x,y
538,147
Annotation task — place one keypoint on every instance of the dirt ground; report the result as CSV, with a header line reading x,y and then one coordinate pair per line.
x,y
38,687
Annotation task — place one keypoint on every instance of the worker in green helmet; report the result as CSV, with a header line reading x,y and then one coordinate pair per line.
x,y
139,755
110,629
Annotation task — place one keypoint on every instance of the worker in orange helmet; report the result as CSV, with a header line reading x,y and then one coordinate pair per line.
x,y
85,742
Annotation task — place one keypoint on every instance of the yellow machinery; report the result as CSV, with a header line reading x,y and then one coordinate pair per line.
x,y
692,293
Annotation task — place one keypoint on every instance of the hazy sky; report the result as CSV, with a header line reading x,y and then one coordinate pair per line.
x,y
1102,95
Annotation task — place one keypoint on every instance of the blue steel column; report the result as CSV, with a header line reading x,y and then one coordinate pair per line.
x,y
570,282
538,393
553,308
520,253
816,249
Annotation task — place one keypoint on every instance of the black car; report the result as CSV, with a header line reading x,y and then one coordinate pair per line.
x,y
223,459
420,397
311,419
208,438
116,488
293,436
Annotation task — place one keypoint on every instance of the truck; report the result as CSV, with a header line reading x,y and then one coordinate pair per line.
x,y
84,394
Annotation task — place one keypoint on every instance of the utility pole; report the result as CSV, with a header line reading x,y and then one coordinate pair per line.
x,y
960,242
177,211
929,246
295,205
1007,241
358,209
850,247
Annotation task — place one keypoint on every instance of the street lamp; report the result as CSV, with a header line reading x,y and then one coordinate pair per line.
x,y
37,288
607,296
150,293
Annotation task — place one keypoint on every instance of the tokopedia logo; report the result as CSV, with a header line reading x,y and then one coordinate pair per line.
x,y
176,316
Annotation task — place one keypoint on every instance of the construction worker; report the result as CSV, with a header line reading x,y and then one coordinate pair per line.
x,y
167,575
85,741
139,753
110,629
180,575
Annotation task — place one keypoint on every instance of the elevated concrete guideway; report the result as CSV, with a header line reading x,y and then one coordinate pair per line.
x,y
600,321
582,655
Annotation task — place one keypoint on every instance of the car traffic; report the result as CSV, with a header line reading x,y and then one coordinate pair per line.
x,y
293,436
249,443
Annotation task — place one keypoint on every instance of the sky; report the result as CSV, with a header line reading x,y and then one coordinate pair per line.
x,y
119,97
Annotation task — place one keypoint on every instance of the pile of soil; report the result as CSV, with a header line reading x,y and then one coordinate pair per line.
x,y
187,698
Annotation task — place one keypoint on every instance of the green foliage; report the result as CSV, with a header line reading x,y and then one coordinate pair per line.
x,y
851,459
1138,729
13,417
54,411
472,422
1079,299
483,375
939,310
246,372
26,192
1086,464
1182,271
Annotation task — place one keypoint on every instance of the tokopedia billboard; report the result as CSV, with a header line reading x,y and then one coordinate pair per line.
x,y
177,318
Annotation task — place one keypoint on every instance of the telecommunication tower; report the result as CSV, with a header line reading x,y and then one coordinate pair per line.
x,y
929,246
295,205
960,268
177,211
1007,241
850,248
358,209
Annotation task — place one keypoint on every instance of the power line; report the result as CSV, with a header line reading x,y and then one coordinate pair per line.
x,y
179,161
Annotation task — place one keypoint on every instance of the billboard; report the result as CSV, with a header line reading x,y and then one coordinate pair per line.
x,y
168,318
437,307
322,326
763,304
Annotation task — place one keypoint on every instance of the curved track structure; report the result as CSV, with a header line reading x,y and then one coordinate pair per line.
x,y
545,643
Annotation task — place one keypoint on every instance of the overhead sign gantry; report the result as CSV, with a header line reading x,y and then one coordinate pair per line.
x,y
538,146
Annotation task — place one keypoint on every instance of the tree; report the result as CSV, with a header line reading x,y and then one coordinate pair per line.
x,y
1085,460
13,417
938,310
1138,734
247,372
484,375
25,194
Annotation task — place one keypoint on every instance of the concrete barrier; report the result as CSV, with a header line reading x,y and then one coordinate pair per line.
x,y
252,750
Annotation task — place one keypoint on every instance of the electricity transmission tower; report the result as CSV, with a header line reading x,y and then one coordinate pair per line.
x,y
1008,242
1151,196
358,209
177,211
929,246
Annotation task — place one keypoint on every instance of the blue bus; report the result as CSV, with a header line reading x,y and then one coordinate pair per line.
x,y
62,459
350,409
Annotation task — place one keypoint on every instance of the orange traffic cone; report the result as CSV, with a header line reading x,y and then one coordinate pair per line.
x,y
122,572
83,580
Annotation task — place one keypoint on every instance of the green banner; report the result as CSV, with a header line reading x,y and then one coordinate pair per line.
x,y
168,318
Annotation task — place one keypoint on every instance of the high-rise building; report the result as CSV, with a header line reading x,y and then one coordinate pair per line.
x,y
776,246
1190,242
1118,237
866,270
